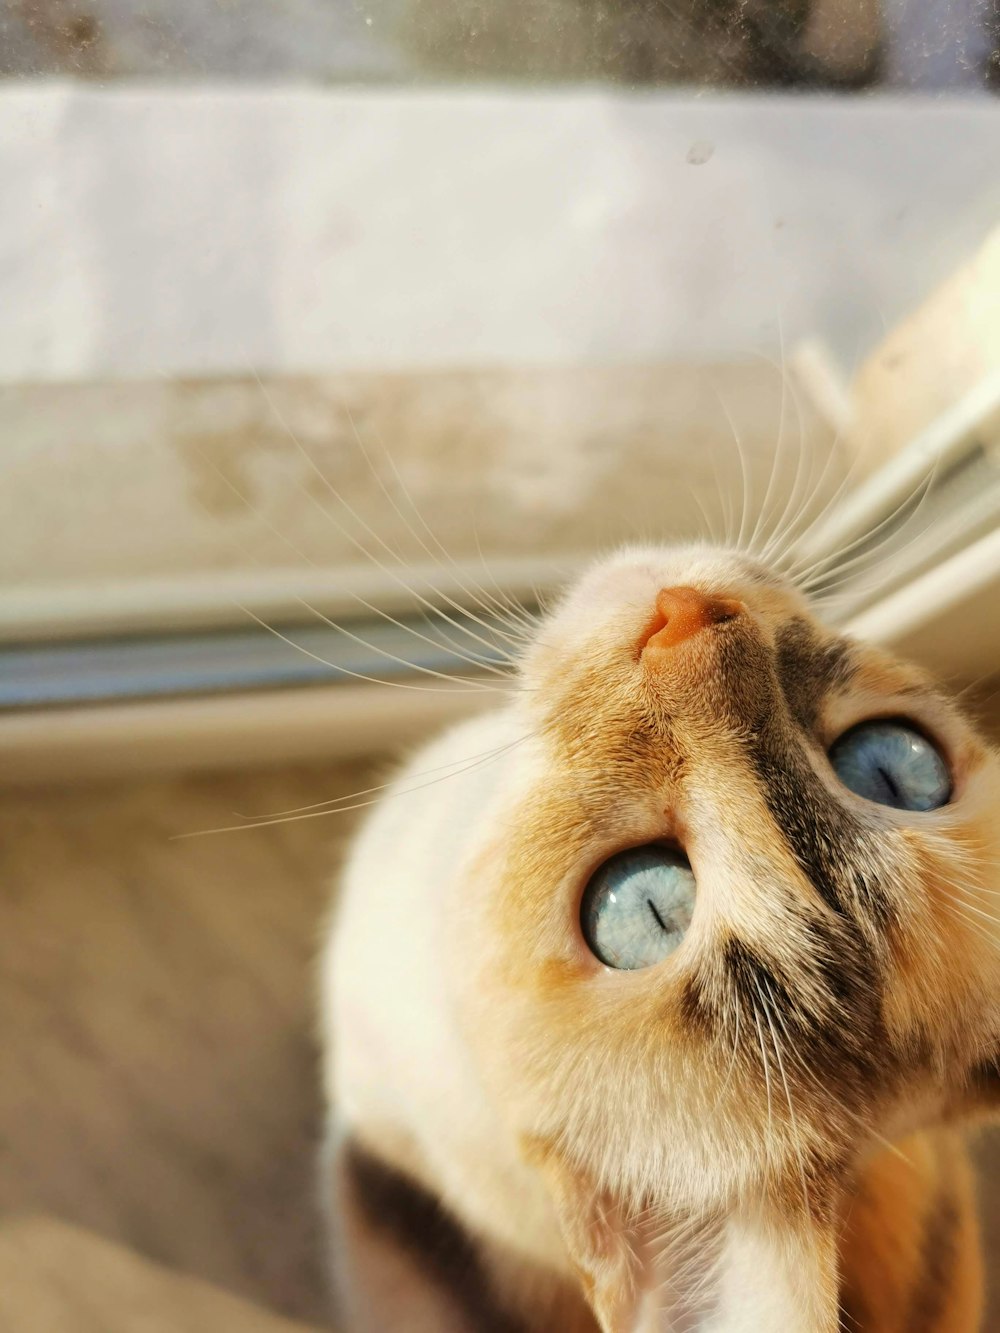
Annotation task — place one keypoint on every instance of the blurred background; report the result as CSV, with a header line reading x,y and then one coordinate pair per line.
x,y
328,329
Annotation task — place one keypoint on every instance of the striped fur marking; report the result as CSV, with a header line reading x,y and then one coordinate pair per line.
x,y
420,1224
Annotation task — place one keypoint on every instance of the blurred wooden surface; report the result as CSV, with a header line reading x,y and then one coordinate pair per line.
x,y
56,1278
158,1067
159,1113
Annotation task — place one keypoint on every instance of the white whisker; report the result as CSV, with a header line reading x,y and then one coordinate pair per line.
x,y
467,683
360,545
788,1095
334,801
480,664
344,809
475,591
744,472
767,1076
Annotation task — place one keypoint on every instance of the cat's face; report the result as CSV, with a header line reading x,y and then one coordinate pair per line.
x,y
833,976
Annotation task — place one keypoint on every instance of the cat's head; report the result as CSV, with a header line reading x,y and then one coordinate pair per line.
x,y
736,925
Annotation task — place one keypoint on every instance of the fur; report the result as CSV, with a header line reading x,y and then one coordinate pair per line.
x,y
756,1133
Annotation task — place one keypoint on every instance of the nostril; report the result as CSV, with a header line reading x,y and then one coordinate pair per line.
x,y
681,612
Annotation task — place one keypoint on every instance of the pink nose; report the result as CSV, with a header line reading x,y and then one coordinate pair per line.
x,y
681,612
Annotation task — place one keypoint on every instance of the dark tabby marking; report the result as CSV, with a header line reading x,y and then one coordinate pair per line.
x,y
985,1083
809,669
837,853
839,1045
929,1299
757,693
769,700
420,1224
754,982
979,1091
813,827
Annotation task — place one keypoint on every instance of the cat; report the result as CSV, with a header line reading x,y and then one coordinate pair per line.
x,y
656,998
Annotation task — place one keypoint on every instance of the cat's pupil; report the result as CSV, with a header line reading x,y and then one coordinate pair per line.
x,y
659,919
887,779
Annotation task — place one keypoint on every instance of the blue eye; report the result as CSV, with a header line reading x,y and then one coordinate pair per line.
x,y
892,764
637,907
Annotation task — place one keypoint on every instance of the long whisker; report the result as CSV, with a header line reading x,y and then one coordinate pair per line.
x,y
475,591
957,908
343,809
467,682
892,521
726,502
709,525
505,650
833,569
360,545
788,1096
252,509
732,1059
767,1076
810,1074
940,534
744,473
963,894
480,663
789,516
335,801
519,618
788,536
794,515
763,514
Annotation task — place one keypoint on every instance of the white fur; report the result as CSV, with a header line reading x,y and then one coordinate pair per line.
x,y
394,1058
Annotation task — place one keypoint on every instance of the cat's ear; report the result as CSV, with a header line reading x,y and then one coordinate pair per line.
x,y
750,1270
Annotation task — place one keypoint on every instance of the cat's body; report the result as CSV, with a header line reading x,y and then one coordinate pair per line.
x,y
523,1138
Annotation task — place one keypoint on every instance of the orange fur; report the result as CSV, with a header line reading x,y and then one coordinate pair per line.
x,y
895,1279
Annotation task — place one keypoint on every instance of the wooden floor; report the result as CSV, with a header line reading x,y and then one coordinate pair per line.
x,y
157,1067
158,1091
